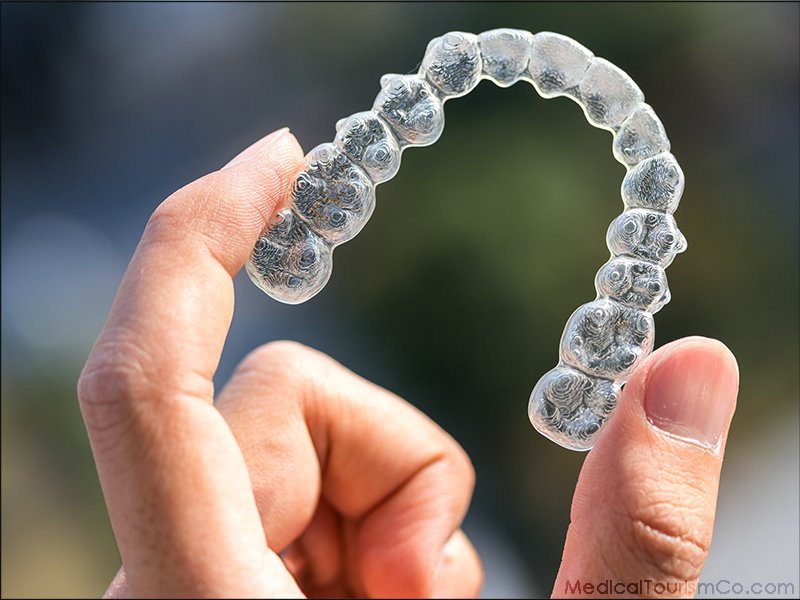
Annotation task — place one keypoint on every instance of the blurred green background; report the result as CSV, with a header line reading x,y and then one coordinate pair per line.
x,y
455,294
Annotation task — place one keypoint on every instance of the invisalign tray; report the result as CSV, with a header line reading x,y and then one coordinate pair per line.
x,y
333,197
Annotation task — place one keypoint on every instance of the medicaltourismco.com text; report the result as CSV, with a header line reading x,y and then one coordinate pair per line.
x,y
645,587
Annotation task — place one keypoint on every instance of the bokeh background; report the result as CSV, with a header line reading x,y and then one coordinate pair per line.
x,y
455,294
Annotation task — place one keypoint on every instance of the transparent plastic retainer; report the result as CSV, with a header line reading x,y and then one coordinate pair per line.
x,y
332,198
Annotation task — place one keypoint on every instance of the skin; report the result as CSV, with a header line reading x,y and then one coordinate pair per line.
x,y
299,478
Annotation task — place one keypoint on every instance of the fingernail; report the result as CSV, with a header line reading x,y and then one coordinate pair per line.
x,y
255,147
691,392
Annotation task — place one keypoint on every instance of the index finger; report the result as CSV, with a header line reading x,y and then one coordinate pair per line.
x,y
175,482
177,294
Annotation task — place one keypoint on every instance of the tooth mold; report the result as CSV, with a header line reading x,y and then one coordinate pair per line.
x,y
333,196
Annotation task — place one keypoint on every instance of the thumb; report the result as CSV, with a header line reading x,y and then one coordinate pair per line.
x,y
643,510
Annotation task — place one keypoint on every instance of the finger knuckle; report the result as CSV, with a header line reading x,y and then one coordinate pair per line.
x,y
113,376
663,538
169,216
453,463
122,385
463,465
198,201
281,358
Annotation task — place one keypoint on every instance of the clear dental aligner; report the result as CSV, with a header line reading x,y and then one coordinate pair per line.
x,y
604,340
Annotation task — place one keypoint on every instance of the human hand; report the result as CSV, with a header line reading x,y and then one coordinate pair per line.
x,y
302,477
360,492
643,510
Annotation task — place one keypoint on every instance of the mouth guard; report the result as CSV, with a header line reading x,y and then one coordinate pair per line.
x,y
332,198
